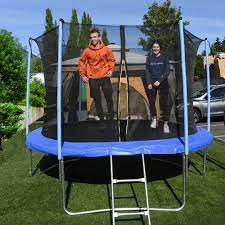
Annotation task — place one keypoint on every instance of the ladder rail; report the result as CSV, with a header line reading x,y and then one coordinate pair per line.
x,y
117,212
146,188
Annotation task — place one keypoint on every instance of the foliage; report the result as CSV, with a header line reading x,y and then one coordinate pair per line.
x,y
49,25
12,69
37,94
86,24
73,40
218,46
199,67
104,37
159,24
37,65
10,117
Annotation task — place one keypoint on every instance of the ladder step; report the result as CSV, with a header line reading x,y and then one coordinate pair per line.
x,y
144,213
116,181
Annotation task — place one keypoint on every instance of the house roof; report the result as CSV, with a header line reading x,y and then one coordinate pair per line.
x,y
135,60
131,57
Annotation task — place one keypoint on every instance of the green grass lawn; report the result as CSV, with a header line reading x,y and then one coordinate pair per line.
x,y
36,200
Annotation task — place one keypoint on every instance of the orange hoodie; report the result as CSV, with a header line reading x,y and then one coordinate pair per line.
x,y
96,62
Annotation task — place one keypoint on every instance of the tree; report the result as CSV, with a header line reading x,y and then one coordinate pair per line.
x,y
48,44
104,37
37,65
10,117
199,67
89,20
223,44
37,94
218,46
72,44
12,69
86,24
55,23
159,24
49,25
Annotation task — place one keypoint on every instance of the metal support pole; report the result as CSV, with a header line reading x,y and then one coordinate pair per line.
x,y
80,95
208,85
62,181
167,209
112,190
80,99
59,91
29,61
208,102
184,79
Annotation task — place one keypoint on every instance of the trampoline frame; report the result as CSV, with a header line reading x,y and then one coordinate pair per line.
x,y
59,132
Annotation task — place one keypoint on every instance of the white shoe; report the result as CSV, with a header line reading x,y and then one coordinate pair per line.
x,y
166,128
153,123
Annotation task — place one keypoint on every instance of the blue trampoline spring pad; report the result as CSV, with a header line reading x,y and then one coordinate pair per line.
x,y
37,142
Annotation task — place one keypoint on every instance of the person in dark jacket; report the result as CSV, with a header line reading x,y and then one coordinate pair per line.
x,y
157,72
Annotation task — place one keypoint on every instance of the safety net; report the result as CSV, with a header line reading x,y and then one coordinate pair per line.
x,y
119,83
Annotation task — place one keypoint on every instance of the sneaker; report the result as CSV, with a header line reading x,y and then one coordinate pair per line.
x,y
166,128
153,123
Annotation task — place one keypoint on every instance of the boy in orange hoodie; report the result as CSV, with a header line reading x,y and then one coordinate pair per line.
x,y
96,66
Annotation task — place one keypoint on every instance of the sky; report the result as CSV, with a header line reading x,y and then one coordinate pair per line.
x,y
26,18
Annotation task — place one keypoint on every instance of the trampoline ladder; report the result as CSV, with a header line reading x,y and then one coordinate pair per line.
x,y
119,212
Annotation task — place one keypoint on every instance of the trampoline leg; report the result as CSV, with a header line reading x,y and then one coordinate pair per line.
x,y
62,181
186,165
112,190
185,169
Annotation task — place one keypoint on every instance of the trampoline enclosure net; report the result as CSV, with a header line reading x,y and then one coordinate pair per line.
x,y
120,107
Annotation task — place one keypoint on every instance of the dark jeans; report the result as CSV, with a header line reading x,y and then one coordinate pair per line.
x,y
95,92
163,100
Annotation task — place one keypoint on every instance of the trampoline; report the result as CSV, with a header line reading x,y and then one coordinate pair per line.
x,y
38,142
73,126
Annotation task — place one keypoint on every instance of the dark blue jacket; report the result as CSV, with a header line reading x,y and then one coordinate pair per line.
x,y
157,68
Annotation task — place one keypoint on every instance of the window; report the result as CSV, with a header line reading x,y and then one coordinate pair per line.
x,y
218,93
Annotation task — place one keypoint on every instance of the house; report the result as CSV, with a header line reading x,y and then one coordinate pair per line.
x,y
136,63
216,65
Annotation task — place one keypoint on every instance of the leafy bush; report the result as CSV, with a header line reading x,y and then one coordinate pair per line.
x,y
37,93
12,69
10,117
37,65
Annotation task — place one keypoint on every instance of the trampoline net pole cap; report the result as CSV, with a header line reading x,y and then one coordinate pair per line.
x,y
30,41
61,20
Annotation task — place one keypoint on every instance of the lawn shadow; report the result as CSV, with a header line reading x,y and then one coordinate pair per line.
x,y
97,170
213,160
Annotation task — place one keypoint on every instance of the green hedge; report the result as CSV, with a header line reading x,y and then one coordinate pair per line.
x,y
37,94
12,69
10,117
